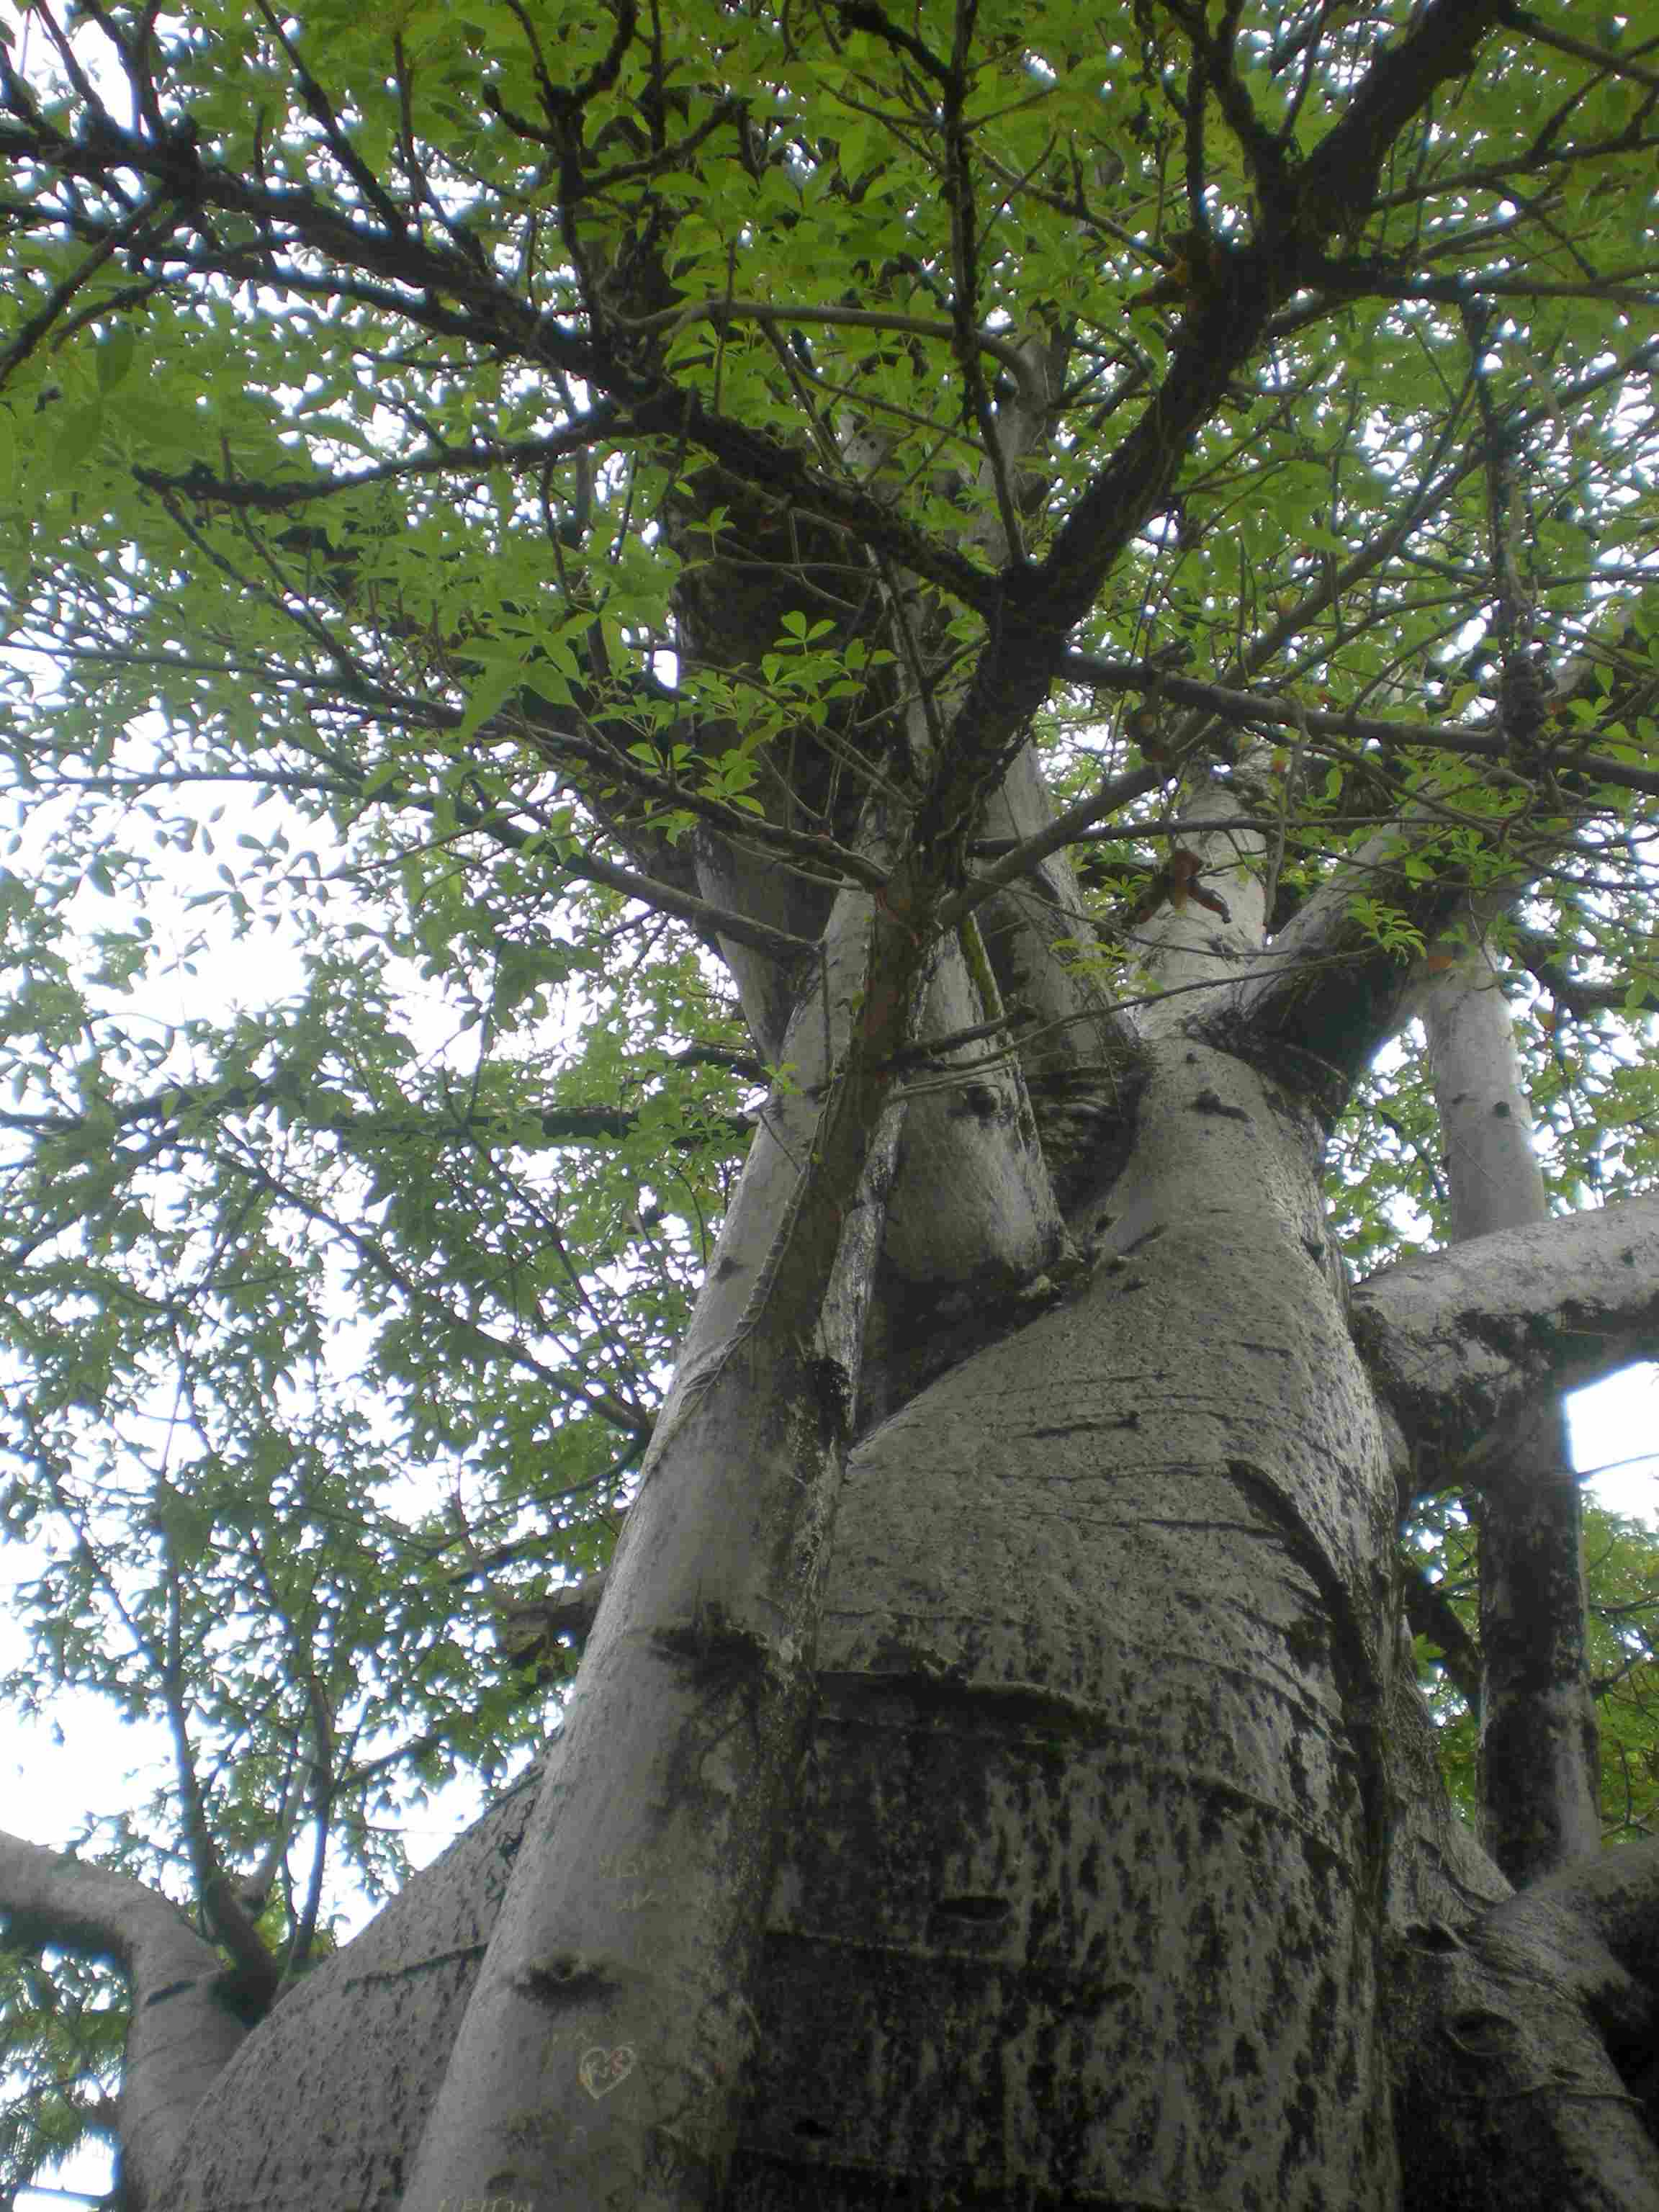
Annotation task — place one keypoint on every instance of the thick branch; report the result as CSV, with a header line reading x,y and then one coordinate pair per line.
x,y
1537,1744
1339,176
184,2028
1461,1342
1628,992
1430,1614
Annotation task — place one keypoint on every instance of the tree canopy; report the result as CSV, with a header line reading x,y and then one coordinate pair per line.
x,y
505,511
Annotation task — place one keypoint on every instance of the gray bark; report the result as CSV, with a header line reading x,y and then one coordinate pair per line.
x,y
1506,2024
1539,1759
185,2024
1465,1340
1492,1177
1098,1807
1113,1774
343,2073
1193,953
685,1735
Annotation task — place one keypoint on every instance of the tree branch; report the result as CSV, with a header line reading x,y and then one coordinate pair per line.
x,y
1462,1341
601,423
569,1125
183,2030
1244,708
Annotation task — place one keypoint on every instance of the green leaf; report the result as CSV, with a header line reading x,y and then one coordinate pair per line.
x,y
113,356
78,438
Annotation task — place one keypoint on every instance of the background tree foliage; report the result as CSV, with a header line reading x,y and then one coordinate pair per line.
x,y
1622,1571
393,400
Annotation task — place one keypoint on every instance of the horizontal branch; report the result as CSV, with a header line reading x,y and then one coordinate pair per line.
x,y
250,495
1461,1341
1577,998
1498,176
1485,742
566,1125
721,310
649,891
562,748
532,1625
1129,833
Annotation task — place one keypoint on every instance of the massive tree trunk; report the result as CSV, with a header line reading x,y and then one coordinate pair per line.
x,y
1108,1825
1098,1802
1117,1805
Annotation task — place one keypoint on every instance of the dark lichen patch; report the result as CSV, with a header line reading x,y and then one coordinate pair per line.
x,y
1212,1102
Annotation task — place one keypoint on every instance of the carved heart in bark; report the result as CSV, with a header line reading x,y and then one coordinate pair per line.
x,y
599,2070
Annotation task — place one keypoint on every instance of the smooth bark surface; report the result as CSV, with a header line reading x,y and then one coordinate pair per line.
x,y
683,1742
186,2024
1464,1340
1539,1764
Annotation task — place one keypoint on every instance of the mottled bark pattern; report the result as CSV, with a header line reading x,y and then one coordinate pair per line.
x,y
1096,1807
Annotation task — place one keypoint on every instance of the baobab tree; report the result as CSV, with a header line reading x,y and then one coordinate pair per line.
x,y
1001,598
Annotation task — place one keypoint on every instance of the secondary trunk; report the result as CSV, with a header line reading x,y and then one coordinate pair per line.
x,y
1539,1757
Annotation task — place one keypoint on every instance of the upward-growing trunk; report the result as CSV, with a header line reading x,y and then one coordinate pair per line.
x,y
1539,1759
647,1858
1115,1804
1083,1892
